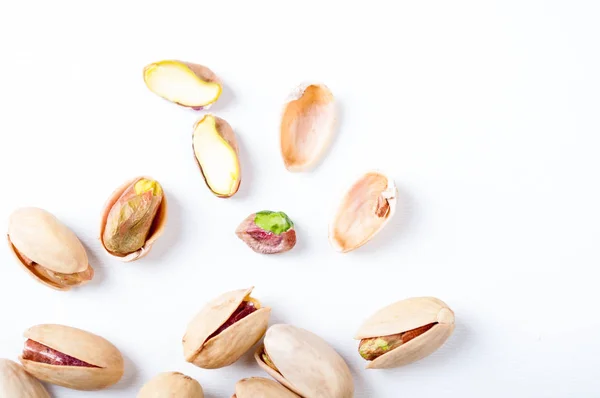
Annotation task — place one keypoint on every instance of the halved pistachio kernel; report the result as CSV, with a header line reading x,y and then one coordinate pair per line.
x,y
216,153
38,352
267,232
374,347
183,83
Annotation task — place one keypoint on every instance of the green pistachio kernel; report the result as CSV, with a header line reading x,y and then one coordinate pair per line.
x,y
276,222
145,185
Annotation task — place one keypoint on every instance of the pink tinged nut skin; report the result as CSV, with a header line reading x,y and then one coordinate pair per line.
x,y
245,309
37,352
263,241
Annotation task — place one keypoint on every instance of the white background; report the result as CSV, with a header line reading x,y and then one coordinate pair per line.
x,y
484,112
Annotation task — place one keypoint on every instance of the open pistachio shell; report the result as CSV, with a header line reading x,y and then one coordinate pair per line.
x,y
48,249
16,383
305,363
430,321
365,209
158,224
171,385
259,387
307,126
71,357
226,328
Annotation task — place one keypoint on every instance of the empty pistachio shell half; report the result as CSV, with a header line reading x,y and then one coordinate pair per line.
x,y
186,84
216,152
71,357
16,383
226,328
364,210
405,332
307,126
259,387
134,217
267,232
48,249
304,363
171,385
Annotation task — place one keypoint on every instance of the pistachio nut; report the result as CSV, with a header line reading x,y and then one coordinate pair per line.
x,y
267,232
304,363
259,387
366,207
48,249
71,357
226,328
307,126
134,217
171,384
16,383
405,332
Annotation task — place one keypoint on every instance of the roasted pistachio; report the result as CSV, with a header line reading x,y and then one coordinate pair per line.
x,y
225,329
304,363
16,383
171,385
133,219
267,232
71,357
48,249
405,332
259,387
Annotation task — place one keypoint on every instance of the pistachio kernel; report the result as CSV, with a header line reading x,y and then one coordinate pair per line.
x,y
375,347
37,352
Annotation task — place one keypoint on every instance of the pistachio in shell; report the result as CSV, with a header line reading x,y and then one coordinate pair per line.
x,y
226,328
133,219
259,387
267,232
304,363
405,332
364,210
71,357
307,126
170,385
16,383
48,249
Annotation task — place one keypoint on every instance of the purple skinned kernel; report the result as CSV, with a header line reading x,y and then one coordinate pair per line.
x,y
244,309
37,352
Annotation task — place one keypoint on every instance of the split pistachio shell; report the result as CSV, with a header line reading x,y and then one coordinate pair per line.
x,y
71,357
306,364
226,328
365,209
217,155
432,319
48,249
189,85
171,385
307,126
119,212
259,387
16,383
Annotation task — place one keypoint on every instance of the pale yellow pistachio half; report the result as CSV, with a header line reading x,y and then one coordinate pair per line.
x,y
186,84
216,152
307,126
363,211
171,384
16,383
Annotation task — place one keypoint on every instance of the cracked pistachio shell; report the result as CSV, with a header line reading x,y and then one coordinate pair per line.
x,y
403,316
366,207
259,387
51,245
81,345
228,346
306,364
307,126
16,383
171,384
158,225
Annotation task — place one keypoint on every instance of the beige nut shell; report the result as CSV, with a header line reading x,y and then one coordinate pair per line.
x,y
158,225
79,344
307,364
171,384
229,345
16,383
259,387
406,315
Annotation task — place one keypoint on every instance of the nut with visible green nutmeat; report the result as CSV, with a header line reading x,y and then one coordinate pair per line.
x,y
16,383
405,332
134,217
171,384
267,232
259,387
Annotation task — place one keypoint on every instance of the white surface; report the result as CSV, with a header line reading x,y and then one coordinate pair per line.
x,y
485,113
